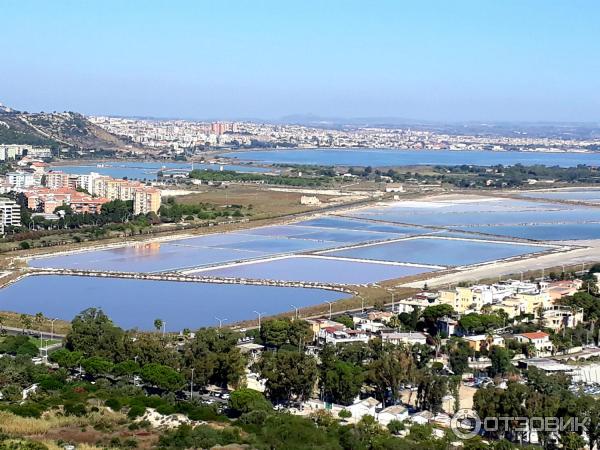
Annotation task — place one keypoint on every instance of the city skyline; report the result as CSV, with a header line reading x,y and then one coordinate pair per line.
x,y
429,61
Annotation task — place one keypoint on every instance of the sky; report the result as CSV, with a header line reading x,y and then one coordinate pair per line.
x,y
445,60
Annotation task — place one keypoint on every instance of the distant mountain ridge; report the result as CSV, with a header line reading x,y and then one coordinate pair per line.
x,y
66,129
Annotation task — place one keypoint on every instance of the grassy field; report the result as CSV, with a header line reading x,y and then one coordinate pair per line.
x,y
13,319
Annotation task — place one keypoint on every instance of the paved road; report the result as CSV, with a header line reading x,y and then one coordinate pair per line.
x,y
45,335
586,256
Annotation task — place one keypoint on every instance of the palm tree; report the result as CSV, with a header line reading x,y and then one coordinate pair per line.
x,y
39,319
25,322
158,324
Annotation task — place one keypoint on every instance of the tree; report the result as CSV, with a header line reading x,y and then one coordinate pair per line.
x,y
392,367
162,376
126,368
458,355
25,322
288,374
501,361
39,319
245,400
342,382
96,365
215,357
94,334
66,358
431,391
158,324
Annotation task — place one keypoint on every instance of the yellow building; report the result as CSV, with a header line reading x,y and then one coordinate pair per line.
x,y
534,301
464,299
146,200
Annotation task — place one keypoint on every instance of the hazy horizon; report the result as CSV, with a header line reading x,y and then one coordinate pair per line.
x,y
430,61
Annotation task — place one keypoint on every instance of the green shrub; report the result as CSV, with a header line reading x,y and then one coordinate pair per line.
x,y
136,411
75,409
113,404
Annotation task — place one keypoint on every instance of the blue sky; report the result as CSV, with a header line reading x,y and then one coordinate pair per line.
x,y
449,60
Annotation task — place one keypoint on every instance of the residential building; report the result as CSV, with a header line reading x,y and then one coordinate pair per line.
x,y
10,213
409,338
483,342
12,151
46,200
57,180
39,152
335,336
367,407
20,180
394,412
146,200
539,339
557,317
465,299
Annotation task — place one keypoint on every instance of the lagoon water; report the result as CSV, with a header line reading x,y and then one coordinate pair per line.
x,y
324,270
543,232
137,303
590,195
147,170
400,157
447,252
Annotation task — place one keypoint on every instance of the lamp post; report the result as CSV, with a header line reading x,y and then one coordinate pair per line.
x,y
221,321
259,314
391,291
330,305
295,309
192,385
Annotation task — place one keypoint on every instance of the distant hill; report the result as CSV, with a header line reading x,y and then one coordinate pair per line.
x,y
67,129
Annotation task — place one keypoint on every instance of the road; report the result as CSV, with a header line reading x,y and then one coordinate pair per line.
x,y
45,335
588,255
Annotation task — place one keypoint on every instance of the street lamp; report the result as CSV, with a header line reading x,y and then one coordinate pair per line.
x,y
259,314
192,385
330,305
164,328
362,303
295,309
221,321
52,328
391,291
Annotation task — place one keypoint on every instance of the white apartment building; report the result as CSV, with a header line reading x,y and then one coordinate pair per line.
x,y
87,181
39,152
12,151
20,180
10,213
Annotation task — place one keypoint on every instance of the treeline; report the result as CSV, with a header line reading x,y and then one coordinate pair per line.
x,y
231,176
171,211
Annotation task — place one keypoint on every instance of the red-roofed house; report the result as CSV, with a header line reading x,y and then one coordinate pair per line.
x,y
539,339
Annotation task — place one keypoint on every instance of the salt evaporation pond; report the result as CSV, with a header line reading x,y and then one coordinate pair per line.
x,y
543,232
591,196
447,252
137,303
314,269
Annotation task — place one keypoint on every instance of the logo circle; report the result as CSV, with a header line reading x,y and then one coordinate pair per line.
x,y
465,424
